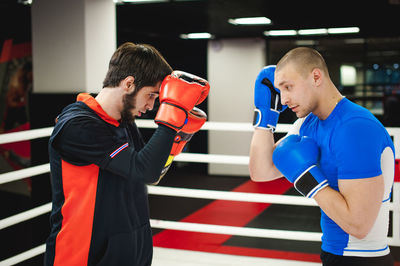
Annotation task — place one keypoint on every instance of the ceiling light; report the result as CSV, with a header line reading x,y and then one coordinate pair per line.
x,y
306,42
25,2
198,35
144,1
280,33
313,32
321,31
343,30
250,21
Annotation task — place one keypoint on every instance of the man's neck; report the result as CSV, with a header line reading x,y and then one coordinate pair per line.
x,y
110,99
328,102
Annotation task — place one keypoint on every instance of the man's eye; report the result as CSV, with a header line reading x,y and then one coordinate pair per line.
x,y
153,95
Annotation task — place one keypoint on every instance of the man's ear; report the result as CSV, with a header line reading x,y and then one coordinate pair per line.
x,y
317,76
128,84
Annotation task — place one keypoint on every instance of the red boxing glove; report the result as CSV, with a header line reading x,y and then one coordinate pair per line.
x,y
179,93
196,119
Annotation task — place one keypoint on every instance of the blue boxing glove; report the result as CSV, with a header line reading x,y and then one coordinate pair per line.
x,y
267,100
296,157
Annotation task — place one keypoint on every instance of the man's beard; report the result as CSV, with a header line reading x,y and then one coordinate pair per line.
x,y
129,101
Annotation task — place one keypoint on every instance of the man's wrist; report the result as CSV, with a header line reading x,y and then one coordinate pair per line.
x,y
311,182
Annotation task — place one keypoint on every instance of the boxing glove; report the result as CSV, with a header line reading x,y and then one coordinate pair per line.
x,y
179,93
296,158
267,100
196,119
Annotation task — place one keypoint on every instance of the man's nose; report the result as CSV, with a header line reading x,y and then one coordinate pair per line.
x,y
150,104
284,98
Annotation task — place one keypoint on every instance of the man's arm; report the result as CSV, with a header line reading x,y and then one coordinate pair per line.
x,y
268,107
87,140
361,184
261,166
356,206
84,141
360,180
262,146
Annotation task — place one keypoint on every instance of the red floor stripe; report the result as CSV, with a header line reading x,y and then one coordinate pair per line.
x,y
229,213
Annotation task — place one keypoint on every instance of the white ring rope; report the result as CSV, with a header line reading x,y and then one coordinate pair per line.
x,y
24,173
230,195
235,230
183,157
181,192
191,193
148,123
24,256
24,216
25,135
211,158
219,126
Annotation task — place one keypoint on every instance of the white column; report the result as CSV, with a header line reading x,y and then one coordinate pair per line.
x,y
233,65
72,42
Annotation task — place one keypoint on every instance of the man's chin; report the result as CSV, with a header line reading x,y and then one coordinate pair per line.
x,y
127,119
302,115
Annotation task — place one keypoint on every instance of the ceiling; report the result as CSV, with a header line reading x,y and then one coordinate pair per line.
x,y
161,24
375,18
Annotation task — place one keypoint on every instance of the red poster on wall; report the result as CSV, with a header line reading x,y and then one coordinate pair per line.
x,y
15,87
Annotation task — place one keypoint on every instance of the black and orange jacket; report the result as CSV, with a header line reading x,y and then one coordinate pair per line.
x,y
99,171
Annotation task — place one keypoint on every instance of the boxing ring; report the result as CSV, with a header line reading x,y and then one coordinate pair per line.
x,y
394,205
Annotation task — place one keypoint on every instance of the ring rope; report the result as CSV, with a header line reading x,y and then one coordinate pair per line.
x,y
183,157
236,230
148,123
24,173
26,215
25,135
24,256
230,195
142,123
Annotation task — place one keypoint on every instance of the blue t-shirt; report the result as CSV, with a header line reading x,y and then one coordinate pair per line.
x,y
354,145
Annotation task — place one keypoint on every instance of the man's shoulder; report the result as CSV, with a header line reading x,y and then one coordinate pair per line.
x,y
353,111
358,123
78,113
80,121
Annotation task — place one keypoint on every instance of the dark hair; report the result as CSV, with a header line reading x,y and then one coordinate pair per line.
x,y
142,61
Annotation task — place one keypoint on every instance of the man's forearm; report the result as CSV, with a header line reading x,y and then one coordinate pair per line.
x,y
351,216
261,166
151,159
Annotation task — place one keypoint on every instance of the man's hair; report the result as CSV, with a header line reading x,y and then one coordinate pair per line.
x,y
304,59
141,61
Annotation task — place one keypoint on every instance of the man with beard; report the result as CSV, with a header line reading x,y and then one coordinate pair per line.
x,y
100,165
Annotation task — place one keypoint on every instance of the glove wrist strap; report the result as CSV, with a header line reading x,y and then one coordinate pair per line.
x,y
307,184
265,118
